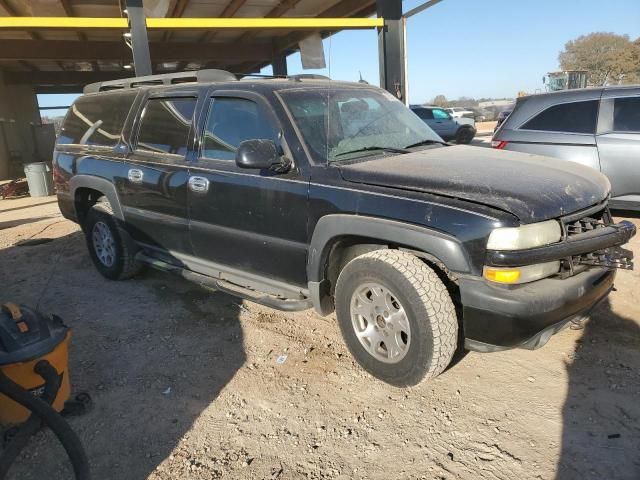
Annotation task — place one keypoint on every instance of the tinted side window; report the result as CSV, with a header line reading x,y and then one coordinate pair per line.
x,y
423,113
575,117
626,114
232,121
96,119
165,124
440,114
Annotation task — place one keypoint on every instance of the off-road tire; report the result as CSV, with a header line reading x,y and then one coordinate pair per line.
x,y
125,264
430,311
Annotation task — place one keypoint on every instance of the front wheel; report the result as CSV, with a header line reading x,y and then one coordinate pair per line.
x,y
396,316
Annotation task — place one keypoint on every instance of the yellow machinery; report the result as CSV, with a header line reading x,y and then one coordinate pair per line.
x,y
565,80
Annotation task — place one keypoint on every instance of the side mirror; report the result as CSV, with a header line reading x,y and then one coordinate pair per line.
x,y
258,154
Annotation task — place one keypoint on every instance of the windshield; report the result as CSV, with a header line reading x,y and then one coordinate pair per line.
x,y
338,124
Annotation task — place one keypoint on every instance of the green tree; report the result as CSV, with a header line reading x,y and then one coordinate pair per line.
x,y
609,58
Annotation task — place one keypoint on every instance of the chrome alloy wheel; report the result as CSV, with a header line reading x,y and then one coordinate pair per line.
x,y
103,244
380,322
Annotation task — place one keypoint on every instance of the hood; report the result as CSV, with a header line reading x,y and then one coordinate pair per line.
x,y
531,187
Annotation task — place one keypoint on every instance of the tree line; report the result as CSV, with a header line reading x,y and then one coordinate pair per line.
x,y
609,59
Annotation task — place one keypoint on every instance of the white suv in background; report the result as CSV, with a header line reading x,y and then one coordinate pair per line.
x,y
459,112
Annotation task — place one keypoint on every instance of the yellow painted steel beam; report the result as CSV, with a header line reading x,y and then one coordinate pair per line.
x,y
264,23
77,23
84,23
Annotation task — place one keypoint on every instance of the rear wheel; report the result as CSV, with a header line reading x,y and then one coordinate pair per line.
x,y
464,136
110,246
396,317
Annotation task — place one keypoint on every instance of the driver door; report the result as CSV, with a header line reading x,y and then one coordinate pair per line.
x,y
252,222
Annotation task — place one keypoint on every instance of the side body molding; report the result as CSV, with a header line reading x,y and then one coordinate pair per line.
x,y
331,227
100,184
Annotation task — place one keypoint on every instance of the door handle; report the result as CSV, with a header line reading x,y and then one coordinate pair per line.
x,y
199,184
135,175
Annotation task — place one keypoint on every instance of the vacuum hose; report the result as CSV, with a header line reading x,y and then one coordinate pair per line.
x,y
33,424
42,412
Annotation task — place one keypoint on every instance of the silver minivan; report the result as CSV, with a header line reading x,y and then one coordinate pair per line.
x,y
597,127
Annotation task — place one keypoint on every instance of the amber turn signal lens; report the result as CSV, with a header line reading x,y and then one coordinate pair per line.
x,y
502,275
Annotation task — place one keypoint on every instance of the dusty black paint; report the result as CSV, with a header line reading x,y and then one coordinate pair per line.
x,y
262,222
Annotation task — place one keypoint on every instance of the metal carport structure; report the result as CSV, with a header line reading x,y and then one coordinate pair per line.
x,y
58,46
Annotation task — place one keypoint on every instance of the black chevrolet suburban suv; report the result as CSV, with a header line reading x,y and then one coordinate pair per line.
x,y
304,192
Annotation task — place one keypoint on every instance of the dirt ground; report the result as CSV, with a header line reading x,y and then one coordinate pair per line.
x,y
187,384
486,128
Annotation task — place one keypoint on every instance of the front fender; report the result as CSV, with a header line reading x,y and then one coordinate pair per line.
x,y
330,228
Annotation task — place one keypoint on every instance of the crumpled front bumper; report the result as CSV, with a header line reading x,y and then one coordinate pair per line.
x,y
500,317
607,240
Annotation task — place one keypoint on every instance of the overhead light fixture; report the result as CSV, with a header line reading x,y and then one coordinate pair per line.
x,y
126,34
127,66
126,12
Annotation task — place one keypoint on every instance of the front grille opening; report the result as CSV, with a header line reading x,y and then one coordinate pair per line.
x,y
573,227
586,224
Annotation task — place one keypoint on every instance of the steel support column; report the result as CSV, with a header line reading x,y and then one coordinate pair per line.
x,y
139,39
279,64
391,48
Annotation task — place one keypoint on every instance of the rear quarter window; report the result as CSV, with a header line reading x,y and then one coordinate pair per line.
x,y
574,117
96,119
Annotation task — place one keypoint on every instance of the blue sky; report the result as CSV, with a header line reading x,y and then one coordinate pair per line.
x,y
476,48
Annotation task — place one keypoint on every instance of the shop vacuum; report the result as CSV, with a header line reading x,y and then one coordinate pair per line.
x,y
34,384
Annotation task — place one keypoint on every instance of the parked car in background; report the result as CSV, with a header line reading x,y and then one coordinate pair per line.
x,y
461,129
502,116
597,127
457,112
481,115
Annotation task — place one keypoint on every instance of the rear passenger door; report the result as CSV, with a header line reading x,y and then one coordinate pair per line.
x,y
619,143
247,222
445,123
426,116
565,131
436,124
157,172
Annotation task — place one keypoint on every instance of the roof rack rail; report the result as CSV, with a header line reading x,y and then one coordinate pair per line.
x,y
307,76
294,78
258,75
209,75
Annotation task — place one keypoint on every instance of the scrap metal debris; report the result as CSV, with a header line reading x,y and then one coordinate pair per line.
x,y
15,188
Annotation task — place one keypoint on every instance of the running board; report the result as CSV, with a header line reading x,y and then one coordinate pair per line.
x,y
286,305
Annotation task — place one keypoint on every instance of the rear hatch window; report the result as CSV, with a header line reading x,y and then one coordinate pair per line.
x,y
96,119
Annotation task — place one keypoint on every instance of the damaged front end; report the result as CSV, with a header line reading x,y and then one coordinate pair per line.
x,y
511,313
589,238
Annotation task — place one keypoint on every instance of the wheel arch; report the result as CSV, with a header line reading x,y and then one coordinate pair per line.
x,y
339,238
83,190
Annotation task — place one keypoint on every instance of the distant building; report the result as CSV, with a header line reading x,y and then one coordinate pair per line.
x,y
496,103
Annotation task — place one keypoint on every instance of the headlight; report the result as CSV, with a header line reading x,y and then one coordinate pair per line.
x,y
515,275
525,236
